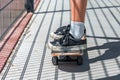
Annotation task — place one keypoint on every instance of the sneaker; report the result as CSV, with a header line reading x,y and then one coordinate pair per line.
x,y
68,43
60,32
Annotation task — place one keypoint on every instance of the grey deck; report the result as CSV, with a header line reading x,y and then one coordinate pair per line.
x,y
31,60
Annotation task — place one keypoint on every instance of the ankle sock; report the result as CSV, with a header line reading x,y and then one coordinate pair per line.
x,y
77,29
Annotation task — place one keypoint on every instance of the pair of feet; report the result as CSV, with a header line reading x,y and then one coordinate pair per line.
x,y
63,40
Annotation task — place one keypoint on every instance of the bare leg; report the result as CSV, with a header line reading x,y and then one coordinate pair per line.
x,y
78,9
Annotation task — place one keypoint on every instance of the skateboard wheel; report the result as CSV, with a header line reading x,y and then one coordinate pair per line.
x,y
55,60
79,60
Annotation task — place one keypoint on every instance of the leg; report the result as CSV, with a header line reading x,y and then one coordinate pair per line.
x,y
78,9
75,36
29,6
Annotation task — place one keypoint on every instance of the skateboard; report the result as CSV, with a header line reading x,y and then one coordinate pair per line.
x,y
69,53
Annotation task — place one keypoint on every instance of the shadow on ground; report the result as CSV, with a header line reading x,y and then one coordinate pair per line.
x,y
112,51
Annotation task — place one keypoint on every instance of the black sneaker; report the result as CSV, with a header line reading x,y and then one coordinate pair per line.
x,y
68,43
60,32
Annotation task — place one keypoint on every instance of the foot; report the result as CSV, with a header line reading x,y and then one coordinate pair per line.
x,y
68,43
60,32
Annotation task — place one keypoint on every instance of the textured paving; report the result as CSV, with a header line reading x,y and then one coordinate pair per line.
x,y
8,43
31,60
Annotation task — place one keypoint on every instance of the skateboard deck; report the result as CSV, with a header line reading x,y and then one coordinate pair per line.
x,y
77,53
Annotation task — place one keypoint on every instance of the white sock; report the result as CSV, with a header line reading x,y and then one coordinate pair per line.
x,y
77,29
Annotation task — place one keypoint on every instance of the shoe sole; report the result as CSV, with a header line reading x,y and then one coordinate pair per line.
x,y
54,36
67,48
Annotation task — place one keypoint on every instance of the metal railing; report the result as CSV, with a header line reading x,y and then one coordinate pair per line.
x,y
10,11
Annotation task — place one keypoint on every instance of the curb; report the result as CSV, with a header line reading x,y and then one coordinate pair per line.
x,y
10,40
